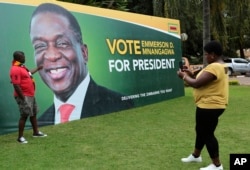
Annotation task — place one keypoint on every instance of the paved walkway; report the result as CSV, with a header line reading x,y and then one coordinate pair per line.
x,y
242,80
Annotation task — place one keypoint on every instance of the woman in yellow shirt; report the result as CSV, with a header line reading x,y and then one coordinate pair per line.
x,y
211,98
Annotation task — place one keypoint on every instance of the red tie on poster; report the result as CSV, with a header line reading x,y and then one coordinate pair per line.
x,y
65,111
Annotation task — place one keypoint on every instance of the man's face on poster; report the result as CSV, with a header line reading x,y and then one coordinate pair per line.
x,y
57,49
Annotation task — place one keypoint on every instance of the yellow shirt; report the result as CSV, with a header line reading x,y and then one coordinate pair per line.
x,y
213,95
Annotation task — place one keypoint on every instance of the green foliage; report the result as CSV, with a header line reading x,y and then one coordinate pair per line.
x,y
218,25
229,23
110,4
154,137
190,15
234,82
141,6
238,33
230,20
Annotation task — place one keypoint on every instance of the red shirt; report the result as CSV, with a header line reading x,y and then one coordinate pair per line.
x,y
20,76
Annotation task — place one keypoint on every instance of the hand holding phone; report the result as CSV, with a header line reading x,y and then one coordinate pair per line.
x,y
181,65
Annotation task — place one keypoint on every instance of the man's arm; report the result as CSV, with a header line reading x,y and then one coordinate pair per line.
x,y
33,71
18,91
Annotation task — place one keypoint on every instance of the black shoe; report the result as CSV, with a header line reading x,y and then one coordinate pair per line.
x,y
39,134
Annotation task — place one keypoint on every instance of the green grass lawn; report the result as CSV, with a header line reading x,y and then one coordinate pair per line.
x,y
154,137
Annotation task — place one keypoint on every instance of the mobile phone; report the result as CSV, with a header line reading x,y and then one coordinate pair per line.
x,y
181,65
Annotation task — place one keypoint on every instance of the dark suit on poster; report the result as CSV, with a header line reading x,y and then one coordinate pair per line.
x,y
98,101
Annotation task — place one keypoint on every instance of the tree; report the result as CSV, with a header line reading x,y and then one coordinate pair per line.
x,y
141,7
226,20
238,31
110,4
206,25
189,12
158,8
217,22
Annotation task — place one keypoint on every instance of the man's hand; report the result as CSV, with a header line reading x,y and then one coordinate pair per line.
x,y
39,67
33,71
19,91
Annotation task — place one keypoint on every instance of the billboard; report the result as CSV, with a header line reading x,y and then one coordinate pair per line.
x,y
127,60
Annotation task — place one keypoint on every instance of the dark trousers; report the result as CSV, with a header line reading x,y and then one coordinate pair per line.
x,y
206,122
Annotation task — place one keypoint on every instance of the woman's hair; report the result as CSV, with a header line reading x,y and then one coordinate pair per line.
x,y
213,47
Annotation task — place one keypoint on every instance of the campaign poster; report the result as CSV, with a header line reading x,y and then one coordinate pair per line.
x,y
130,60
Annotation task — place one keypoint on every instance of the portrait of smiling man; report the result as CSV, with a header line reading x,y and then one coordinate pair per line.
x,y
58,46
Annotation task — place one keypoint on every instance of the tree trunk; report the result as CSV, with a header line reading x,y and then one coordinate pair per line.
x,y
158,8
206,26
242,54
111,4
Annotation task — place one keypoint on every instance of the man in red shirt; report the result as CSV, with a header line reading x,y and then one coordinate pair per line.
x,y
24,93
